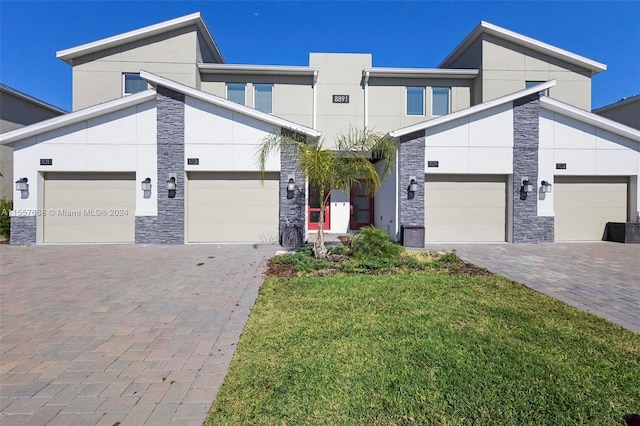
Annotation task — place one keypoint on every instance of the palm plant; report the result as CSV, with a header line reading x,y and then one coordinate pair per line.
x,y
340,168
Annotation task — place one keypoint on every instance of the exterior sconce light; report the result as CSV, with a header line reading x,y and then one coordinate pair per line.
x,y
546,186
291,187
527,186
171,184
413,185
146,184
21,184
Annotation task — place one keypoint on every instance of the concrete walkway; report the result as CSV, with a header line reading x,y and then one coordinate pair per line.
x,y
602,278
95,335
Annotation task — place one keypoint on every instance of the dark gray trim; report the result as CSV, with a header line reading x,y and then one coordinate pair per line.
x,y
411,163
528,227
23,230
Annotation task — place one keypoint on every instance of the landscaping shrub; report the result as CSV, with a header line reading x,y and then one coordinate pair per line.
x,y
302,261
5,221
374,242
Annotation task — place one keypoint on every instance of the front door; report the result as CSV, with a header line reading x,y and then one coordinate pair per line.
x,y
361,207
313,215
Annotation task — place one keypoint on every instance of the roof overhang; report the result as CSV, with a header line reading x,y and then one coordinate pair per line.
x,y
156,80
75,117
31,99
547,49
68,55
421,73
622,102
256,69
472,110
589,118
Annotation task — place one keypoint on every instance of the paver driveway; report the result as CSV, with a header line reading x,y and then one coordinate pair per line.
x,y
132,334
602,277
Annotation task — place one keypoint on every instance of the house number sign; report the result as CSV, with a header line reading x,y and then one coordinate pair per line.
x,y
193,161
46,161
340,99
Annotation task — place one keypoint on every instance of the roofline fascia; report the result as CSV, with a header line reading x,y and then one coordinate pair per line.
x,y
591,118
29,98
472,110
422,73
216,100
207,68
76,116
572,58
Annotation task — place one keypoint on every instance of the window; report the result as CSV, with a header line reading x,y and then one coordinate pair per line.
x,y
415,100
235,93
263,97
133,83
441,100
528,84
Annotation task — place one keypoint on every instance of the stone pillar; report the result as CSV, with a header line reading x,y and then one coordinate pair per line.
x,y
23,230
292,210
411,163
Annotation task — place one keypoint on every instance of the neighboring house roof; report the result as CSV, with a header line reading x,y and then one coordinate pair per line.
x,y
68,55
216,100
620,103
75,117
547,49
420,73
256,69
472,110
18,94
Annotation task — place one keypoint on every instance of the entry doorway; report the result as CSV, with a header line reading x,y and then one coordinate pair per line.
x,y
313,211
361,207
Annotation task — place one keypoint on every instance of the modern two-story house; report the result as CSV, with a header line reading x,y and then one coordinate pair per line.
x,y
496,144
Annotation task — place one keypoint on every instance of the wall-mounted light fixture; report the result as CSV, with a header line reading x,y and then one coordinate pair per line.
x,y
527,186
546,186
291,186
413,184
172,185
146,184
22,185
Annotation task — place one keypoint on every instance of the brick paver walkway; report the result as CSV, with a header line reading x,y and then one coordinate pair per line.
x,y
94,335
602,278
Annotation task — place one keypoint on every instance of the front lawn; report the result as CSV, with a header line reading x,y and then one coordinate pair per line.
x,y
418,348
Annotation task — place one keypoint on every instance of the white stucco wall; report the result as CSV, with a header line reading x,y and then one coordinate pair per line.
x,y
224,140
386,203
121,141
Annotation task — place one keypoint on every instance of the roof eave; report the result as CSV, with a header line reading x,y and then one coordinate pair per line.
x,y
207,68
422,73
31,99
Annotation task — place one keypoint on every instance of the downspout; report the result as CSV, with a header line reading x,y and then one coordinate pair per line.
x,y
315,81
366,104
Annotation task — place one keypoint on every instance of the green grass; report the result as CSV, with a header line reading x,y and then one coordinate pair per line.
x,y
434,349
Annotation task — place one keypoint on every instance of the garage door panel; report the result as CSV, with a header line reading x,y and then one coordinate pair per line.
x,y
233,207
465,208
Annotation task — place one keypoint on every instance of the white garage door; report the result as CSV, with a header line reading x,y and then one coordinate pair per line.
x,y
232,207
465,208
584,205
89,207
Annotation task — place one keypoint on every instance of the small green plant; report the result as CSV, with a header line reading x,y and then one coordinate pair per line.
x,y
5,221
303,261
373,242
338,249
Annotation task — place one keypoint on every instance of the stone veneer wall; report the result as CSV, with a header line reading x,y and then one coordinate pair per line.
x,y
411,163
528,227
168,226
292,211
23,230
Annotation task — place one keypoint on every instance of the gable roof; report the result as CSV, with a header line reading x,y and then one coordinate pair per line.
x,y
68,55
472,110
156,80
75,117
617,104
18,94
547,49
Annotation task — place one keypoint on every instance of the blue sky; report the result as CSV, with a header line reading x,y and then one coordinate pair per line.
x,y
398,34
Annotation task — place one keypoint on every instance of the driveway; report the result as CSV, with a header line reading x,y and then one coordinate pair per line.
x,y
602,278
95,335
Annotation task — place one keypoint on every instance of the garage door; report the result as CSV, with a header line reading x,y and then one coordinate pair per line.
x,y
232,207
89,207
584,205
465,208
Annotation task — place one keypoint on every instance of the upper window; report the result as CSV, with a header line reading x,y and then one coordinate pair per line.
x,y
528,84
441,100
235,93
263,97
415,100
133,83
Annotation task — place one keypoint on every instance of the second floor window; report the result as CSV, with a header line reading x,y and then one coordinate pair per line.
x,y
415,100
441,101
528,84
235,93
263,97
133,83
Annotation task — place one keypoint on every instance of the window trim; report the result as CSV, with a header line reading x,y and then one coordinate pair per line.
x,y
544,92
406,101
255,86
433,99
124,83
244,85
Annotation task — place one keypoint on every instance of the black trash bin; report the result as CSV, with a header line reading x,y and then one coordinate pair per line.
x,y
292,236
412,235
